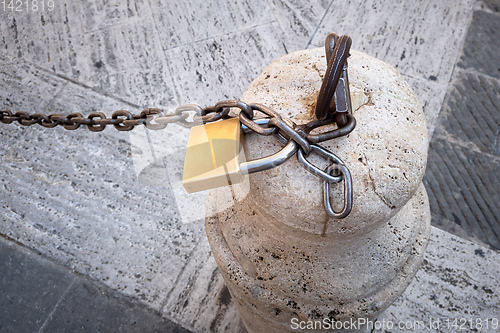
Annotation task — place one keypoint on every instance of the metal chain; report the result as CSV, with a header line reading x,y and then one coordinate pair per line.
x,y
188,115
333,106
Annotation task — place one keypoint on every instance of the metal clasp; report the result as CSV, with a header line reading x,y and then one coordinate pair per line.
x,y
333,86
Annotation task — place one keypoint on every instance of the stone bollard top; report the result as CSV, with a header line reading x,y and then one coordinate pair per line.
x,y
386,153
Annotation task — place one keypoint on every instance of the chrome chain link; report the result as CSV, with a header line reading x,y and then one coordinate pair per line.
x,y
333,106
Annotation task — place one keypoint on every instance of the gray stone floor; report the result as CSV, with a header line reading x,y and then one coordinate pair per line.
x,y
41,296
463,171
81,200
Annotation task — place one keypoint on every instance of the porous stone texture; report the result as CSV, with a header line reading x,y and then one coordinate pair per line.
x,y
280,254
386,153
274,275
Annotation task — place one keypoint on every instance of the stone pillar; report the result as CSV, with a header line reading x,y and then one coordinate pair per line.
x,y
280,254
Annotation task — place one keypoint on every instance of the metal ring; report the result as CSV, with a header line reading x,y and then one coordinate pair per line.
x,y
171,118
244,107
314,169
68,123
189,107
121,126
91,117
214,116
24,118
152,116
29,120
264,121
347,192
6,117
254,126
49,123
251,124
40,118
261,121
291,133
185,109
272,161
265,109
348,128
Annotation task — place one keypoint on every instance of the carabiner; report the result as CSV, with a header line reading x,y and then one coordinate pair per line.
x,y
336,63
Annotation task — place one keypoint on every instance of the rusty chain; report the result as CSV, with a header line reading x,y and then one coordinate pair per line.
x,y
332,107
156,119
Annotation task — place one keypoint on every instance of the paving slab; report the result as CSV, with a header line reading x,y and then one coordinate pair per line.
x,y
482,44
463,167
189,22
219,68
201,299
492,4
38,295
87,307
471,114
110,47
299,20
25,86
30,288
463,188
43,37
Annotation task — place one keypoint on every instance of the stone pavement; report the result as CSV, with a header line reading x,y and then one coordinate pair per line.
x,y
463,170
91,204
41,296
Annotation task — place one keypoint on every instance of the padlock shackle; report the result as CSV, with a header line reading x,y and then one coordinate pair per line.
x,y
271,161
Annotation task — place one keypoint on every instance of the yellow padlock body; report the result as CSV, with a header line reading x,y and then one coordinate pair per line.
x,y
213,156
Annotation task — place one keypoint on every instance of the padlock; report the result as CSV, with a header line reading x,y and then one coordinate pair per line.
x,y
215,156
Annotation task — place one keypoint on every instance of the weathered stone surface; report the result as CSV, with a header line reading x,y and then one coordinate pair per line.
x,y
275,274
386,153
228,72
74,196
